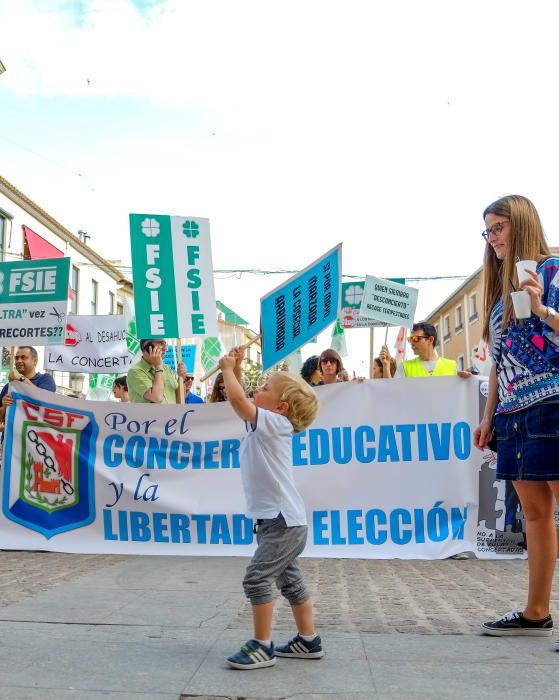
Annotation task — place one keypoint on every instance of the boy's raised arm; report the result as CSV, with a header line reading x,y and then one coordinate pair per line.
x,y
239,354
230,366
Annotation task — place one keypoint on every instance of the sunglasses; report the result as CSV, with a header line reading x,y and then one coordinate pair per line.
x,y
415,338
188,379
328,361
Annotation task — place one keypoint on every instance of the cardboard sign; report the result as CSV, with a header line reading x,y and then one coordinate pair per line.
x,y
188,357
393,304
173,276
93,344
350,313
33,301
296,311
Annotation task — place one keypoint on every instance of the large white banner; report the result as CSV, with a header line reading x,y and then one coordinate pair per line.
x,y
387,470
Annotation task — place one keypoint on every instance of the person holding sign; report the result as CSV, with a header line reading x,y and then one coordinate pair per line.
x,y
384,368
285,405
423,340
523,397
26,359
151,381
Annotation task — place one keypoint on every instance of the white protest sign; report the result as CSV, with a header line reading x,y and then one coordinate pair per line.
x,y
33,301
352,296
94,344
173,276
389,302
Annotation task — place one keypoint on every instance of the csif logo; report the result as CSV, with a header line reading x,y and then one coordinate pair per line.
x,y
48,477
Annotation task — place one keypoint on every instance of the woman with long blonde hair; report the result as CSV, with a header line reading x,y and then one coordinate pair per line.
x,y
523,401
218,393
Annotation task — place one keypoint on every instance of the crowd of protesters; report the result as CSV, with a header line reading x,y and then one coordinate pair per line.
x,y
520,423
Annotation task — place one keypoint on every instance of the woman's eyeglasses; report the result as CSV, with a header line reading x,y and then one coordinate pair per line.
x,y
495,230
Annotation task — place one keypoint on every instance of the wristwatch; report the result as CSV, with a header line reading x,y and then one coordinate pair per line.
x,y
551,314
22,378
157,370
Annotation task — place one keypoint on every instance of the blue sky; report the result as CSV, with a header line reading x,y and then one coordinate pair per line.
x,y
291,125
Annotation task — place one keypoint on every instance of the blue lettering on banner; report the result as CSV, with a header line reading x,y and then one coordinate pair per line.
x,y
376,527
364,444
419,442
139,451
177,528
400,526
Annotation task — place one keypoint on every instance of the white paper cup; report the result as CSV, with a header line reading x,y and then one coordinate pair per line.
x,y
521,303
521,266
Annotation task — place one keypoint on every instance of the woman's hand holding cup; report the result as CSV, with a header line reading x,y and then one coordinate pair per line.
x,y
530,284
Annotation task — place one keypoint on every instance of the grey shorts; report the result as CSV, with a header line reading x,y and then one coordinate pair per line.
x,y
275,561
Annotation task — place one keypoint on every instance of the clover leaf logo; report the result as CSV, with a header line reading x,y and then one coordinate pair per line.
x,y
150,228
191,229
354,295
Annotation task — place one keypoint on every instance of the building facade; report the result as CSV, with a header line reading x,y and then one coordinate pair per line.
x,y
97,287
459,322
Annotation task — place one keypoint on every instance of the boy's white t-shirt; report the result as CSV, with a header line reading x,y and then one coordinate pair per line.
x,y
267,470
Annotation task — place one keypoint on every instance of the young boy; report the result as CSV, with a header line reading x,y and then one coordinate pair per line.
x,y
286,404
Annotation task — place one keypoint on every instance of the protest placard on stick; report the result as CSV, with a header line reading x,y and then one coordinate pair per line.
x,y
388,301
296,311
33,301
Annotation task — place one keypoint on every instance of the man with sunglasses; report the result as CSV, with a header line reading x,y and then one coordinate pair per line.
x,y
190,397
423,339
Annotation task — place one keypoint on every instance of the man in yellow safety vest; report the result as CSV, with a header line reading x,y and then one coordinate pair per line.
x,y
423,339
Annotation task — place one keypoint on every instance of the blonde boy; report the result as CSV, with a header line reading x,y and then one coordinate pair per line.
x,y
284,405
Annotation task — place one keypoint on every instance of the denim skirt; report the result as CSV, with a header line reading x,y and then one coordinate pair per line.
x,y
528,443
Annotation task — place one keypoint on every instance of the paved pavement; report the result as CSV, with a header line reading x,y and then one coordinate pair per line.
x,y
139,628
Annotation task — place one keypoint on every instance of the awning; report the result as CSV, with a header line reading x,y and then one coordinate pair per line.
x,y
39,249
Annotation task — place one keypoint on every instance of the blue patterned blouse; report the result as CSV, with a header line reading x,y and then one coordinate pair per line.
x,y
527,353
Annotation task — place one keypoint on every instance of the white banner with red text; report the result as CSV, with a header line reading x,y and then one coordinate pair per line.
x,y
386,471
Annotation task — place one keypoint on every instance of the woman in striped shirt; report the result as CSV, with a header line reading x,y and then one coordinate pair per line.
x,y
523,401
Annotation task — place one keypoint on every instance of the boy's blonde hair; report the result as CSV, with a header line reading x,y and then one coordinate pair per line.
x,y
300,397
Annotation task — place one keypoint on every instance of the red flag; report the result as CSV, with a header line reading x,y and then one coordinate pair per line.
x,y
40,249
400,344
